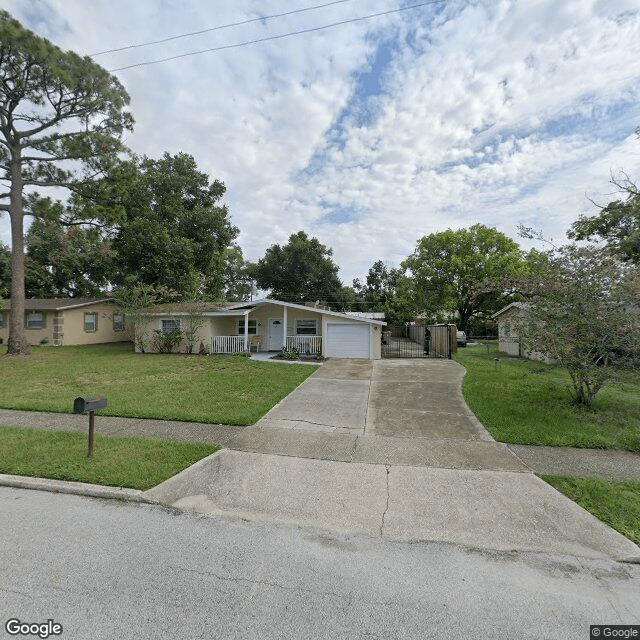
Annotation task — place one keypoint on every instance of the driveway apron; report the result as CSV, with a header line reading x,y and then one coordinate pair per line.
x,y
389,448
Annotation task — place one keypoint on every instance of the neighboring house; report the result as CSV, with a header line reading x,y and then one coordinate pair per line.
x,y
270,325
68,321
508,319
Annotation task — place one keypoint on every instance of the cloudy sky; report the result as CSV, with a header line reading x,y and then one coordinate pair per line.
x,y
373,133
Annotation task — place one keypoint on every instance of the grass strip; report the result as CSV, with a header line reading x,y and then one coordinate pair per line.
x,y
211,389
135,463
615,502
524,402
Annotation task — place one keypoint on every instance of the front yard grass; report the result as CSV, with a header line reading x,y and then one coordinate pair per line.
x,y
136,463
211,389
525,402
615,502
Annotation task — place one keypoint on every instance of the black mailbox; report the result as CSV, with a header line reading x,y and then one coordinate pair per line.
x,y
85,405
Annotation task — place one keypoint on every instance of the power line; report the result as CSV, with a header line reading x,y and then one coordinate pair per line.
x,y
223,26
279,37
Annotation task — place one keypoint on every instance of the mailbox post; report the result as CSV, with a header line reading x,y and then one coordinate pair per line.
x,y
90,406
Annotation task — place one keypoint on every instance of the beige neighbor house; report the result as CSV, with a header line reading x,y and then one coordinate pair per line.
x,y
68,321
269,325
508,320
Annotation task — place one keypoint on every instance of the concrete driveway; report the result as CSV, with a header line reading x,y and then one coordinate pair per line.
x,y
389,448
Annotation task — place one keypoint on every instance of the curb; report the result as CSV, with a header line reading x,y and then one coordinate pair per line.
x,y
75,488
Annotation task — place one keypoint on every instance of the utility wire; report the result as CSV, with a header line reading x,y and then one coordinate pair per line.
x,y
223,26
279,37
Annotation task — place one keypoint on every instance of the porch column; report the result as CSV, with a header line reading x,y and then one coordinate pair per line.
x,y
284,329
246,331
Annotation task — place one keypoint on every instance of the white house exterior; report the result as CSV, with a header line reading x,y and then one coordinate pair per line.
x,y
271,325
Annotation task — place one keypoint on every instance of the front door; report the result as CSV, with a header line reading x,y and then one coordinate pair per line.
x,y
274,340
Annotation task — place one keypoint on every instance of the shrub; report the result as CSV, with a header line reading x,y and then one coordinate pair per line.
x,y
165,342
289,354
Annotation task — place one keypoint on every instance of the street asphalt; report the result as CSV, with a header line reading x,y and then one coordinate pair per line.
x,y
105,569
384,448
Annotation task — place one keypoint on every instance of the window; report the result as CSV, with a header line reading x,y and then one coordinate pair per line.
x,y
253,327
35,320
1,319
306,327
90,322
170,325
118,322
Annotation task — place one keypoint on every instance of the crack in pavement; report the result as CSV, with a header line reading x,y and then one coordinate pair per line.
x,y
263,583
386,508
369,407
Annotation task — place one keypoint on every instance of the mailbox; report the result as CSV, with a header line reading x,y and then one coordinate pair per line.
x,y
86,405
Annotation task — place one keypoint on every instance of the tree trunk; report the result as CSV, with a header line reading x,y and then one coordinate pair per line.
x,y
18,343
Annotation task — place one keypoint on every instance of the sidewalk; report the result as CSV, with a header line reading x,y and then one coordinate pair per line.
x,y
217,434
323,443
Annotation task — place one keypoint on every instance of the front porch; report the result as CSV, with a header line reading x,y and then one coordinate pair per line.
x,y
311,345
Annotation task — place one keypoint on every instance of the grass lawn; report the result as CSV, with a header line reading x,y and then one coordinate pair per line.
x,y
137,463
527,402
212,389
615,502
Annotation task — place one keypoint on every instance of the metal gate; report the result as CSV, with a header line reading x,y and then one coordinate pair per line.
x,y
414,341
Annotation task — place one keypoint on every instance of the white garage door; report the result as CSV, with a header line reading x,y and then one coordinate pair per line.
x,y
348,340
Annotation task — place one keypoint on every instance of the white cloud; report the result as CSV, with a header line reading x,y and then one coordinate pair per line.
x,y
497,112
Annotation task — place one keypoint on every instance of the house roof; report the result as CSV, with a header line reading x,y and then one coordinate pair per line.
x,y
372,315
56,304
302,307
244,308
186,307
509,307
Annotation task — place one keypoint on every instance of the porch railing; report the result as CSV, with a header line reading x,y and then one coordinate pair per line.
x,y
305,344
227,344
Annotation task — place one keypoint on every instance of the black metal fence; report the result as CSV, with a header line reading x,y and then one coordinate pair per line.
x,y
413,341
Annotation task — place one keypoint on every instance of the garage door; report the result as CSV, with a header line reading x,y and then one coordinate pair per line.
x,y
348,340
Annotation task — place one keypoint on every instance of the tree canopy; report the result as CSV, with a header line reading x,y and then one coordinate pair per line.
x,y
66,261
301,270
451,269
62,118
618,224
387,290
164,228
173,231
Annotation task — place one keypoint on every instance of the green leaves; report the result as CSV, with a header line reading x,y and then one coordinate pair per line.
x,y
618,224
300,271
452,270
173,231
582,312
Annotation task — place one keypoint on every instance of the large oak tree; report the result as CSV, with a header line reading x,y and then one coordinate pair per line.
x,y
62,118
174,231
451,270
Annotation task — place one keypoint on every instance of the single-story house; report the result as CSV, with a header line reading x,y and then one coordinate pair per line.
x,y
269,325
508,319
67,321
